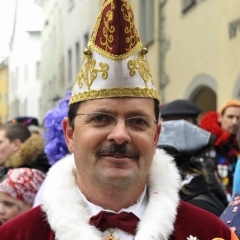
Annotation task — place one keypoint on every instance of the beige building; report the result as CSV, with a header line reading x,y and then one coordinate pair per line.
x,y
194,47
194,50
3,91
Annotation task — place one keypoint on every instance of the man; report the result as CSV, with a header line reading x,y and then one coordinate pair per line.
x,y
180,109
20,148
225,126
112,132
30,122
17,192
11,137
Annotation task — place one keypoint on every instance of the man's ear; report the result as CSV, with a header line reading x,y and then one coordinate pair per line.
x,y
219,118
157,134
68,134
16,144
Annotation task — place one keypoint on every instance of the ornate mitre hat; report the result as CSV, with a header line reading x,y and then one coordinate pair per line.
x,y
114,63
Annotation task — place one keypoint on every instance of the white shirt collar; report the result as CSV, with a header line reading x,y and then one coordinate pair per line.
x,y
137,209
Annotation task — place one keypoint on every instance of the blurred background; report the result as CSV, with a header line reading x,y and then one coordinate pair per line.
x,y
194,50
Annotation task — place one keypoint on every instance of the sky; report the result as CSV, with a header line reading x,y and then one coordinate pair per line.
x,y
7,8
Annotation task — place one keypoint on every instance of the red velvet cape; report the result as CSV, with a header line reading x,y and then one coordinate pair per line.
x,y
190,221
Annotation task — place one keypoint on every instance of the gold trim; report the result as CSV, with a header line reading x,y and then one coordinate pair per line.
x,y
143,68
114,92
115,57
88,73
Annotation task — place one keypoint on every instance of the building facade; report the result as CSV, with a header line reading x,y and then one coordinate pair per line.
x,y
200,42
67,26
3,91
24,86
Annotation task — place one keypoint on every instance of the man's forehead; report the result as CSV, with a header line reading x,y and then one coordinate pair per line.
x,y
232,110
113,102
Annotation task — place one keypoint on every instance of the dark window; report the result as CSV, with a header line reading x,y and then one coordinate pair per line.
x,y
187,4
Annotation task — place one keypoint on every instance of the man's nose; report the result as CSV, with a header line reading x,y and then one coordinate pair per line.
x,y
119,132
235,120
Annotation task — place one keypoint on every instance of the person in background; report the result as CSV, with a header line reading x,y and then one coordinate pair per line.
x,y
17,192
186,143
116,184
224,124
11,138
180,109
231,215
55,145
20,148
189,111
30,122
236,177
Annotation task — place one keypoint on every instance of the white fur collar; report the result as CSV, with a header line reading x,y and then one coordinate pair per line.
x,y
68,215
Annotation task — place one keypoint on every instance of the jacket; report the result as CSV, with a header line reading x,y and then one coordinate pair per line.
x,y
30,154
226,147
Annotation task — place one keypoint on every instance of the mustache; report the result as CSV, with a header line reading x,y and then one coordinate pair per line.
x,y
117,148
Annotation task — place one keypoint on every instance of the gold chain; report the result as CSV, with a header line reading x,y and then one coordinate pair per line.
x,y
110,236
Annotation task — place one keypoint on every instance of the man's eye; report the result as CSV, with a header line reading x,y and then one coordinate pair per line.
x,y
101,118
137,121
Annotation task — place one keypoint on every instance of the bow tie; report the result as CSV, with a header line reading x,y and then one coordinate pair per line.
x,y
124,221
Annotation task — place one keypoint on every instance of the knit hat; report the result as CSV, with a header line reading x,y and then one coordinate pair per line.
x,y
114,62
22,183
229,103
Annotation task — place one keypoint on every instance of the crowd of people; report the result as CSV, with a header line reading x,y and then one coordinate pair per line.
x,y
112,162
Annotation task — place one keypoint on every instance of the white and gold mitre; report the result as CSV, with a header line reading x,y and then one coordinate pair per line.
x,y
114,62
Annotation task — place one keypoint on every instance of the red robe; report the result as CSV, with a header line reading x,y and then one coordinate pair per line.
x,y
191,221
63,214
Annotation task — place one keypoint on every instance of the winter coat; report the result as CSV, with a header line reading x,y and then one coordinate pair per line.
x,y
30,154
197,193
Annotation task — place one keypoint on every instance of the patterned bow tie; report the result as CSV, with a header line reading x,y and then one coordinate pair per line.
x,y
124,221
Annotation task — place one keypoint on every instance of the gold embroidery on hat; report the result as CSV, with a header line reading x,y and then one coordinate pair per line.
x,y
142,66
134,38
89,70
114,92
109,37
108,30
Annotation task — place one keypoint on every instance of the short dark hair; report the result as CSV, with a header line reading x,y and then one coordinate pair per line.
x,y
73,108
15,131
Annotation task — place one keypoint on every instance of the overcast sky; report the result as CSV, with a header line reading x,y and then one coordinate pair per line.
x,y
7,8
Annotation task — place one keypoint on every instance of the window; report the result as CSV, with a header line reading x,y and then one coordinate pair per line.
x,y
77,50
25,108
16,78
38,70
147,21
86,38
187,4
70,66
26,72
71,4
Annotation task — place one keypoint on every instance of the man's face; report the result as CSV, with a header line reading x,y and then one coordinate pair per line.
x,y
229,120
6,147
9,207
99,160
